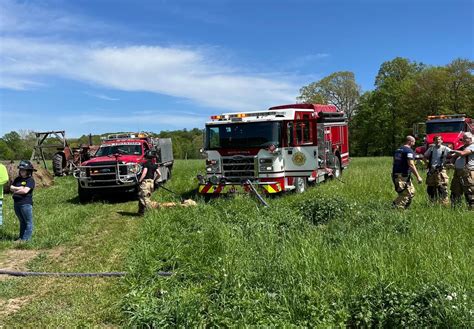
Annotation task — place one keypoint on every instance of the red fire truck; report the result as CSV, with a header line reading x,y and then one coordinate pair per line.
x,y
117,164
449,127
281,149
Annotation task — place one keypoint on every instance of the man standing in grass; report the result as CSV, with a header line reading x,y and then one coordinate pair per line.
x,y
147,179
437,179
3,181
403,166
463,179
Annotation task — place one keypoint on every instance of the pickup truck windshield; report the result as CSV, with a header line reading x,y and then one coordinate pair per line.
x,y
444,127
126,149
243,135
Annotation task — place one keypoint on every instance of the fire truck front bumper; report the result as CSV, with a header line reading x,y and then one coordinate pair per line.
x,y
109,184
230,188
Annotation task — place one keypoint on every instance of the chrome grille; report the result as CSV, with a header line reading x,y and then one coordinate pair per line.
x,y
238,168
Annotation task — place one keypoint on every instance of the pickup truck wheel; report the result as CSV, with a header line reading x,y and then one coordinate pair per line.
x,y
85,195
300,185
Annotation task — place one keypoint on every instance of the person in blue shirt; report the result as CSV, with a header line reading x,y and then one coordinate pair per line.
x,y
22,189
403,167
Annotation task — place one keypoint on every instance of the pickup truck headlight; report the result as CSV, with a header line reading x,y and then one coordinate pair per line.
x,y
134,168
82,172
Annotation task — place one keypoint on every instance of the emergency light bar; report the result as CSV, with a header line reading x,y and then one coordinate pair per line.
x,y
126,136
242,115
446,116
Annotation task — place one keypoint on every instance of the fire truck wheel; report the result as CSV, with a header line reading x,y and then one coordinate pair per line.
x,y
84,195
300,184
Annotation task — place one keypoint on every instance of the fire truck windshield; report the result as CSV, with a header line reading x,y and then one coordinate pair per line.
x,y
127,149
243,135
444,127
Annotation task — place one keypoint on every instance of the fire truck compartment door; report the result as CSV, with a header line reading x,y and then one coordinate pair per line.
x,y
302,161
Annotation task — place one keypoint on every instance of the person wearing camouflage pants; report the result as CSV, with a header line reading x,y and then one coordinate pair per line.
x,y
403,166
437,179
150,172
463,179
145,191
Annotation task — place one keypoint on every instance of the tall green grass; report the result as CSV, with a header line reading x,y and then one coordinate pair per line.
x,y
335,256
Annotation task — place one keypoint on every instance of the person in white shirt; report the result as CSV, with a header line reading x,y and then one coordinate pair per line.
x,y
463,179
437,179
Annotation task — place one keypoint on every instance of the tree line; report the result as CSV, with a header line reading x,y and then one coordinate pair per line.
x,y
19,145
405,92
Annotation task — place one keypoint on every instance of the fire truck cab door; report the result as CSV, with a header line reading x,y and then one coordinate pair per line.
x,y
301,159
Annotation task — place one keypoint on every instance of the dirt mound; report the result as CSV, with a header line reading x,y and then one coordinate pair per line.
x,y
43,178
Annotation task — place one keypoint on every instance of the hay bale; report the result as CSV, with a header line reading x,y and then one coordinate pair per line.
x,y
43,178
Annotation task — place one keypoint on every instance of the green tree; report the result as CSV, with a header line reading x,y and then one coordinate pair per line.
x,y
6,152
461,86
428,95
393,81
339,89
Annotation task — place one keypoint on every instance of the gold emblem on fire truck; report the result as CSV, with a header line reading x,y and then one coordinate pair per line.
x,y
299,158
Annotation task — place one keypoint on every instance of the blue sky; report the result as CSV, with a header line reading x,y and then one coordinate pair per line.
x,y
113,65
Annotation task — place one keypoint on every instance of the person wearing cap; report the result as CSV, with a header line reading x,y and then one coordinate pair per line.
x,y
146,183
403,166
22,189
463,179
3,180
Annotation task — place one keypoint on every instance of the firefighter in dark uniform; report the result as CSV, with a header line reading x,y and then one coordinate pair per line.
x,y
437,178
403,166
146,182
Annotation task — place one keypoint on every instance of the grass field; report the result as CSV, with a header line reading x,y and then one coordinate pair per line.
x,y
337,255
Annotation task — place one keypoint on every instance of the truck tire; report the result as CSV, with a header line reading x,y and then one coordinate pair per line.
x,y
85,195
300,185
166,174
58,160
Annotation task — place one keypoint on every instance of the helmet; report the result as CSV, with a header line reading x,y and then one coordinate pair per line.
x,y
26,165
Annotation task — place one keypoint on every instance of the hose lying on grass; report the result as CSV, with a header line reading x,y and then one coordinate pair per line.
x,y
100,274
259,197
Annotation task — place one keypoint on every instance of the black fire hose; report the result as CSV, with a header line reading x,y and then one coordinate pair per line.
x,y
66,274
179,196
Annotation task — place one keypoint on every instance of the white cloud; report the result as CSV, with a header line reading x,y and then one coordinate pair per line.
x,y
193,74
30,17
102,96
